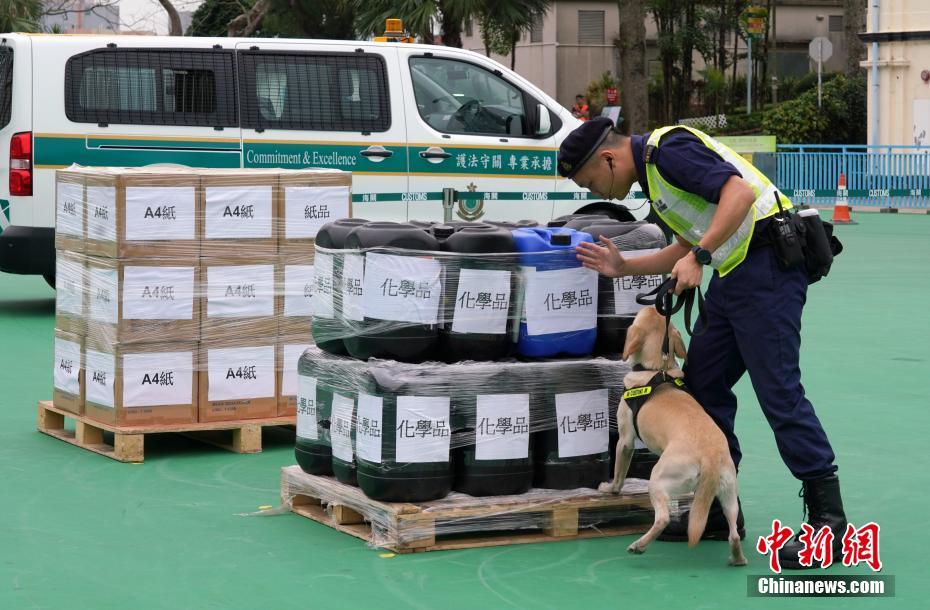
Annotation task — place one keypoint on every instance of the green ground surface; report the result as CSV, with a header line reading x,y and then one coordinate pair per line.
x,y
81,531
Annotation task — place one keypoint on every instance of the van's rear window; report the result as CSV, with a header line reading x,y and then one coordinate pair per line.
x,y
6,85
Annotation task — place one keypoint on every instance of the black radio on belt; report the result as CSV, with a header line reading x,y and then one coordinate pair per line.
x,y
803,240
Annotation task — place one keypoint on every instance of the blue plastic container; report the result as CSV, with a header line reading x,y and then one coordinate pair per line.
x,y
549,249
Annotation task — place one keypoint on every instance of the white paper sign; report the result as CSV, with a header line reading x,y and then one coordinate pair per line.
x,y
627,287
100,371
104,306
561,300
158,379
158,213
482,302
402,288
582,423
158,293
67,375
69,286
369,427
101,213
240,291
423,430
502,429
353,282
341,429
298,290
70,199
323,286
306,408
291,354
307,208
241,372
238,212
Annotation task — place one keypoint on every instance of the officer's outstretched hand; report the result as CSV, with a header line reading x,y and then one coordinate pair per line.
x,y
605,259
688,273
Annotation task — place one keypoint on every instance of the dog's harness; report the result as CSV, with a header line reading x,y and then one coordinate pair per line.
x,y
637,397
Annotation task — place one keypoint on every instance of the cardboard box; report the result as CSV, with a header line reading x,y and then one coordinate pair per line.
x,y
240,212
309,199
238,298
141,384
69,210
70,292
294,293
68,372
237,379
139,212
288,351
142,300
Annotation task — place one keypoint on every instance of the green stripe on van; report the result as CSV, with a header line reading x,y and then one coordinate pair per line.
x,y
486,161
65,151
295,155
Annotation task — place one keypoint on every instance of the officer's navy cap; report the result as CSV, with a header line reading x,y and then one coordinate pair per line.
x,y
580,144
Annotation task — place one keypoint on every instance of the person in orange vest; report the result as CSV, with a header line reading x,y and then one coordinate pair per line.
x,y
580,109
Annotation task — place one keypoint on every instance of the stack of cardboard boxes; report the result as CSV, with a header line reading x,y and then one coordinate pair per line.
x,y
184,295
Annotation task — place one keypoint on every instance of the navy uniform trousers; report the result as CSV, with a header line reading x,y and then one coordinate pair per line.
x,y
754,326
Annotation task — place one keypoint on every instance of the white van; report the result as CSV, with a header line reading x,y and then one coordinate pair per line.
x,y
407,120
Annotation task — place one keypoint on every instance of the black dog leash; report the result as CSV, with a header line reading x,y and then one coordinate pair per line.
x,y
667,305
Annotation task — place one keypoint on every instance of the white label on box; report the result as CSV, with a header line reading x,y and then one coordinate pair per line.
x,y
238,212
353,282
306,408
482,302
159,213
69,286
70,198
561,300
323,286
100,371
341,429
240,291
423,430
67,375
291,354
158,293
368,427
240,373
628,286
307,208
158,379
402,288
582,423
502,427
298,290
101,213
104,304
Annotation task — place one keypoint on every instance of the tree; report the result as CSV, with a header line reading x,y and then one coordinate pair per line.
x,y
634,86
247,23
853,22
418,15
20,15
504,22
174,19
329,19
213,16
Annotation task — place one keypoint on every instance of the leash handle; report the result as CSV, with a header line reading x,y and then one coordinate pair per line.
x,y
667,305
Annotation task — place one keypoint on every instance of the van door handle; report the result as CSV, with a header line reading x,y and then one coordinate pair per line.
x,y
377,152
434,152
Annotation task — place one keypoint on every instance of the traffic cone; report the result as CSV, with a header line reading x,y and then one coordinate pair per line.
x,y
841,207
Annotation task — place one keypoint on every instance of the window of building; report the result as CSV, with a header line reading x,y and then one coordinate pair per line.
x,y
469,28
314,92
836,23
459,97
590,27
536,30
152,87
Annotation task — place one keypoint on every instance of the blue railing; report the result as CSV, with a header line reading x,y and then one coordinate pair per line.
x,y
879,176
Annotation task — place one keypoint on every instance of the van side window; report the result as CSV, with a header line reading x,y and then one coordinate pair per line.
x,y
459,97
314,92
6,85
152,87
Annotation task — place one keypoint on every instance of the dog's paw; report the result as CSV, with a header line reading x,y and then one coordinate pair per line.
x,y
608,488
738,561
635,549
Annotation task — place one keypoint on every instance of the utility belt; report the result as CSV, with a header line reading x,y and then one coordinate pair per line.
x,y
801,239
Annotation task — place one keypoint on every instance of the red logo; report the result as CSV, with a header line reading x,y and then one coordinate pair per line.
x,y
772,544
859,545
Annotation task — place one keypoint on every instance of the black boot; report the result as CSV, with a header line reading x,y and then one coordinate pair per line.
x,y
717,527
824,506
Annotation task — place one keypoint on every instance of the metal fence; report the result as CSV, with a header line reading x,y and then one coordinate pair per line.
x,y
878,176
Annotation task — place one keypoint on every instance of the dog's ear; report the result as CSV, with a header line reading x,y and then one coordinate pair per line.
x,y
678,345
634,341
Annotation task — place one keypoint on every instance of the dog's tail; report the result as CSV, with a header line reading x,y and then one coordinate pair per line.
x,y
708,481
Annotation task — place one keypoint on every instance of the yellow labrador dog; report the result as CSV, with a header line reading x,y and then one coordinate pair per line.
x,y
693,450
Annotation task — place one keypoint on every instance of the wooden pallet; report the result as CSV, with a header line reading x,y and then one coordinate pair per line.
x,y
460,521
240,436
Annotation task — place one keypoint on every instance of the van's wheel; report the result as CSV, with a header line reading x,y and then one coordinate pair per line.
x,y
50,280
